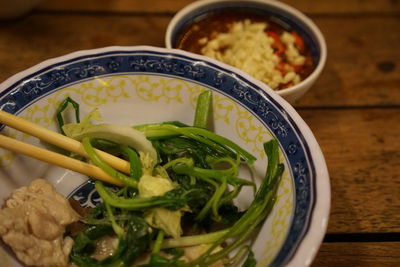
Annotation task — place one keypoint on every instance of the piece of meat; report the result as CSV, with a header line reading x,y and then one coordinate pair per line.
x,y
33,223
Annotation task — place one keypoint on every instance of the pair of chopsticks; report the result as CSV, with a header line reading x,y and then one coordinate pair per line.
x,y
61,141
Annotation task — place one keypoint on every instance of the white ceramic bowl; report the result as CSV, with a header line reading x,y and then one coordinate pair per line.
x,y
276,10
133,85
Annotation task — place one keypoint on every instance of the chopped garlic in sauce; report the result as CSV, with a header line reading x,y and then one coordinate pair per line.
x,y
247,46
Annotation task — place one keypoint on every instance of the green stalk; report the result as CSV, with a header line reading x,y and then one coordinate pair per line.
x,y
244,235
152,131
224,142
217,201
215,141
233,170
135,163
204,211
158,242
186,241
117,229
129,204
203,108
219,175
213,257
62,107
232,194
95,158
256,213
186,161
186,166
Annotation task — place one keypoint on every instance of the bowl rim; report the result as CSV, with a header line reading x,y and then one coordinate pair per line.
x,y
308,246
277,4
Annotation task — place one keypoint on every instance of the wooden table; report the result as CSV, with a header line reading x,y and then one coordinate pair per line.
x,y
353,109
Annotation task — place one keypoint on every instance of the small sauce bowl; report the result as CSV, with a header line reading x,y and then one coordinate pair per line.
x,y
210,28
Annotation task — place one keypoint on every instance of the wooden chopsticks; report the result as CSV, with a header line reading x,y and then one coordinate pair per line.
x,y
61,141
56,159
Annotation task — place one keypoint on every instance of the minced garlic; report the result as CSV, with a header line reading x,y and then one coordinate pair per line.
x,y
247,46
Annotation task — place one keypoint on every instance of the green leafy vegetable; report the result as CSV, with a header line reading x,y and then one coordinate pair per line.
x,y
180,192
256,213
133,242
217,142
95,158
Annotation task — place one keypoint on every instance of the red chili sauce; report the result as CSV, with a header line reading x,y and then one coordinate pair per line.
x,y
221,22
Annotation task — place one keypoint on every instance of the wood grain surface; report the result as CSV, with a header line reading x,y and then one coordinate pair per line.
x,y
362,152
38,37
163,6
363,65
380,254
365,73
353,109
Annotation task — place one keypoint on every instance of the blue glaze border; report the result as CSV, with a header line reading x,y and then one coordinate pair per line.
x,y
36,85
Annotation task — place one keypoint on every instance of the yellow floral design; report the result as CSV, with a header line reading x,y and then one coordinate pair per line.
x,y
167,90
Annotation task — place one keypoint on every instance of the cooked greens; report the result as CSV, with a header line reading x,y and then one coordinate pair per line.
x,y
180,195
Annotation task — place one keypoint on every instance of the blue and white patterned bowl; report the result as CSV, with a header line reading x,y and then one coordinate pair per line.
x,y
133,85
272,9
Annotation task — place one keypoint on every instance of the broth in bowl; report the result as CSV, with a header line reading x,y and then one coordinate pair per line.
x,y
265,48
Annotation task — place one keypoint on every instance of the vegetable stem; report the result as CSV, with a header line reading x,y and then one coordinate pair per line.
x,y
203,108
117,229
158,242
255,214
135,163
130,204
95,158
194,240
215,141
62,107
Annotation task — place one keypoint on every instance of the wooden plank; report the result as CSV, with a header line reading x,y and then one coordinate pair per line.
x,y
353,76
120,6
358,254
362,152
345,6
28,41
172,6
363,65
